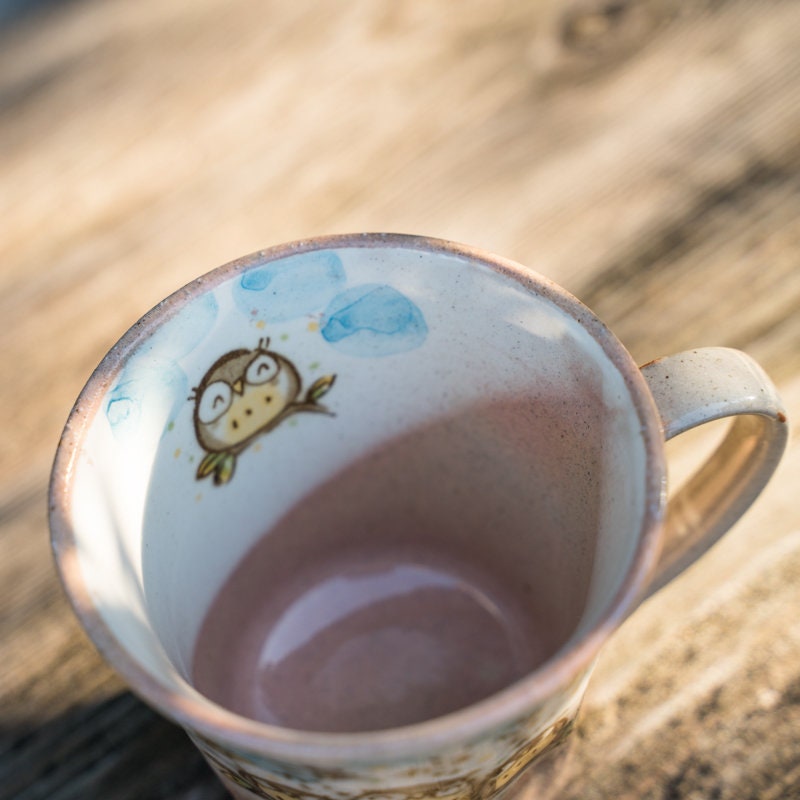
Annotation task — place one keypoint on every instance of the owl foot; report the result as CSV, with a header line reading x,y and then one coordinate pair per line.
x,y
221,465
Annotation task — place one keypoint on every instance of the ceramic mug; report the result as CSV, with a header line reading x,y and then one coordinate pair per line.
x,y
348,393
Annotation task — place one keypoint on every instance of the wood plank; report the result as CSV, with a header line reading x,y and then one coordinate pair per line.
x,y
644,154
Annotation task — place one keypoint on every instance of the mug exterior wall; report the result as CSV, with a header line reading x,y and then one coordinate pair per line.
x,y
483,768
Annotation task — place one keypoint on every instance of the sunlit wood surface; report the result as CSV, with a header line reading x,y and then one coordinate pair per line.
x,y
643,154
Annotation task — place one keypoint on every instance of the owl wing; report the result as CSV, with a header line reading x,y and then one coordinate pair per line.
x,y
319,388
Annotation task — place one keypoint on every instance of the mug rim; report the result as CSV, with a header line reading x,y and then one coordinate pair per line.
x,y
202,716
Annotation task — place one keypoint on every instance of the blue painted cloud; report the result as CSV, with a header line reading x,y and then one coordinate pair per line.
x,y
373,320
153,370
289,288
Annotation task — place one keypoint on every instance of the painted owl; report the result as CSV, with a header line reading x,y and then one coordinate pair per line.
x,y
247,393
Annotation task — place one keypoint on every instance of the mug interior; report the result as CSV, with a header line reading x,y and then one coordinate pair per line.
x,y
434,393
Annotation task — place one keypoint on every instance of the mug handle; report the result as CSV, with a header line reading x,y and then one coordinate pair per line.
x,y
693,388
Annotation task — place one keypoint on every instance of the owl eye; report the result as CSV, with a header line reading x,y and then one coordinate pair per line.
x,y
214,402
261,369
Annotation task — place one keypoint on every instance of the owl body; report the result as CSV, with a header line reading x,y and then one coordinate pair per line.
x,y
243,395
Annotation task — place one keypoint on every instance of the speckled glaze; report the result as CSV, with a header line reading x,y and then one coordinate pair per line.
x,y
165,477
699,386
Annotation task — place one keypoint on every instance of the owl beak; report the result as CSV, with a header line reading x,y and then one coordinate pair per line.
x,y
238,387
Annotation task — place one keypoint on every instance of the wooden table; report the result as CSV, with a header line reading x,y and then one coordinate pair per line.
x,y
643,154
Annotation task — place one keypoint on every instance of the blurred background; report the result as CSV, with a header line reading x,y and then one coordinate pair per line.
x,y
644,154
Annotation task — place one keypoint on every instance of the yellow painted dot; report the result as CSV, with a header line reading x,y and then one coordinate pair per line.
x,y
198,497
313,325
261,324
177,452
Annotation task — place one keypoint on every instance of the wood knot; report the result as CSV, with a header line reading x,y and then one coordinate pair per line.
x,y
595,27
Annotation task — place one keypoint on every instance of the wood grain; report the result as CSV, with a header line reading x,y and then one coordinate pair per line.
x,y
644,154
